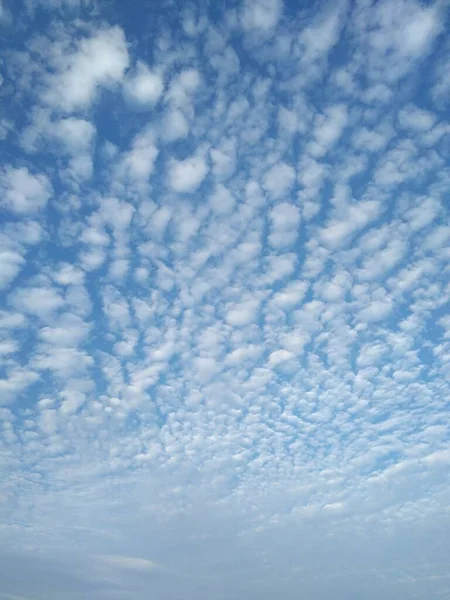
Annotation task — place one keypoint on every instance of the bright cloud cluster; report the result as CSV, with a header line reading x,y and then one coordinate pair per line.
x,y
225,282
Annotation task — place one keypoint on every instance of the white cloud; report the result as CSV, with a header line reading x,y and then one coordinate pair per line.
x,y
415,119
116,213
16,381
328,129
11,264
239,356
37,301
370,140
183,88
285,222
420,30
221,200
243,314
205,368
377,310
128,562
23,192
92,259
69,330
399,35
98,61
376,266
224,159
279,180
185,176
175,126
280,356
77,137
119,269
261,14
138,163
48,421
291,295
8,347
356,218
189,79
441,87
144,87
9,320
72,401
69,275
76,134
317,39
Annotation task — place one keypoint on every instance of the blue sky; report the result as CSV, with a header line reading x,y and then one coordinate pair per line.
x,y
224,275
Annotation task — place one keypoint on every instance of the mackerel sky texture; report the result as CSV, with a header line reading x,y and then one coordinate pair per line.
x,y
225,282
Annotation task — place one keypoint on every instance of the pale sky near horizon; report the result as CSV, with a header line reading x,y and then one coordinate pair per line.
x,y
224,294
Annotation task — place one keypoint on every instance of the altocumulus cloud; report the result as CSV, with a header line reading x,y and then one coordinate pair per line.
x,y
225,281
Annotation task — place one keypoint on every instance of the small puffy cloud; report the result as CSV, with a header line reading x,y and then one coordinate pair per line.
x,y
261,14
68,330
175,126
11,264
37,301
279,180
317,39
420,30
221,200
358,216
440,91
415,119
116,213
68,274
16,381
189,79
291,295
73,400
334,289
279,267
247,353
92,259
119,269
284,222
280,356
422,215
64,362
99,60
76,134
371,354
185,176
182,88
11,320
138,162
144,87
22,192
328,129
243,313
224,159
377,310
376,266
48,421
8,347
205,367
369,140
